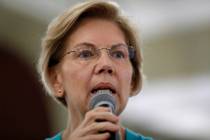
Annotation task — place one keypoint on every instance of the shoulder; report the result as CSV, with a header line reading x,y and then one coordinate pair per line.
x,y
131,135
56,137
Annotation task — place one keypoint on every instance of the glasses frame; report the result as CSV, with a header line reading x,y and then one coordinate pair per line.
x,y
131,51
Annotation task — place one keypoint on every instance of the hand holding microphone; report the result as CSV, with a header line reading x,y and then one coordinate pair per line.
x,y
104,98
99,123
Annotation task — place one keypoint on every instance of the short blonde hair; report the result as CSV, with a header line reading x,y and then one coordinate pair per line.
x,y
63,26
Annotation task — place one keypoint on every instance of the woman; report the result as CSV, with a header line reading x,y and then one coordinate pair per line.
x,y
90,49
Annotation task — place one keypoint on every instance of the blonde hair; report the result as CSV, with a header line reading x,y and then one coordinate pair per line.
x,y
62,26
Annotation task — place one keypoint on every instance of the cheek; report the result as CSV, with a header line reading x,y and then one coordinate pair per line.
x,y
126,76
125,79
75,74
75,82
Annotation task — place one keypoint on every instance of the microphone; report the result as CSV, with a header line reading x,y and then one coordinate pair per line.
x,y
104,98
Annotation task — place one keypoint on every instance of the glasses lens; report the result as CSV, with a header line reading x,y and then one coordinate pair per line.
x,y
119,52
85,52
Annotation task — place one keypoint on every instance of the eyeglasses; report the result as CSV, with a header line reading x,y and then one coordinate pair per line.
x,y
87,52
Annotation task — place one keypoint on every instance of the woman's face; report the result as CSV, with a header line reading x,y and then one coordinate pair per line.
x,y
78,76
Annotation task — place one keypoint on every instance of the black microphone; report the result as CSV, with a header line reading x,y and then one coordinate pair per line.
x,y
104,98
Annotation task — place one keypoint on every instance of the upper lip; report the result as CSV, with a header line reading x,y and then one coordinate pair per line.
x,y
104,85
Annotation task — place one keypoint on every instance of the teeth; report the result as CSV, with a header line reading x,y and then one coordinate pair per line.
x,y
104,91
99,91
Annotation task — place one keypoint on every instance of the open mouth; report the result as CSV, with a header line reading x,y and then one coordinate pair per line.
x,y
99,88
94,91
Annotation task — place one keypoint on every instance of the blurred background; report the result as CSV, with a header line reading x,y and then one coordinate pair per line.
x,y
175,100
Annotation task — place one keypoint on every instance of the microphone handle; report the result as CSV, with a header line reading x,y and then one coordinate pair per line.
x,y
114,136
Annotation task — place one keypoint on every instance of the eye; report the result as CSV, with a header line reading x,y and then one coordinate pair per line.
x,y
118,54
86,54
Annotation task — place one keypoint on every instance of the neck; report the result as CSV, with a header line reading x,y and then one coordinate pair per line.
x,y
74,120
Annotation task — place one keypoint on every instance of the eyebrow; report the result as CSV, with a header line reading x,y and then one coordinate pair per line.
x,y
93,45
84,44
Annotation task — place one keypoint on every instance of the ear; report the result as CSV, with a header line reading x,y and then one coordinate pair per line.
x,y
56,82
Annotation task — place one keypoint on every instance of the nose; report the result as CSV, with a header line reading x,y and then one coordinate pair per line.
x,y
104,64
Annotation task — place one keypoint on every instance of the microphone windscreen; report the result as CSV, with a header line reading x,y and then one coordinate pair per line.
x,y
103,98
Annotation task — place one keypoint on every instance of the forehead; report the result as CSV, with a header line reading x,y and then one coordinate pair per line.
x,y
96,31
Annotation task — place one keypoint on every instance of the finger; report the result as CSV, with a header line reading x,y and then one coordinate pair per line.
x,y
91,117
99,113
102,127
107,126
101,109
106,116
95,128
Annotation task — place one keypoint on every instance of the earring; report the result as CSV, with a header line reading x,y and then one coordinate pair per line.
x,y
59,91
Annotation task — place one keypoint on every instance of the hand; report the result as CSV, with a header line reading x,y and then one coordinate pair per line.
x,y
97,120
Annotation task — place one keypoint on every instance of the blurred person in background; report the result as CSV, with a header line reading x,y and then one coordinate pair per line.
x,y
92,49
